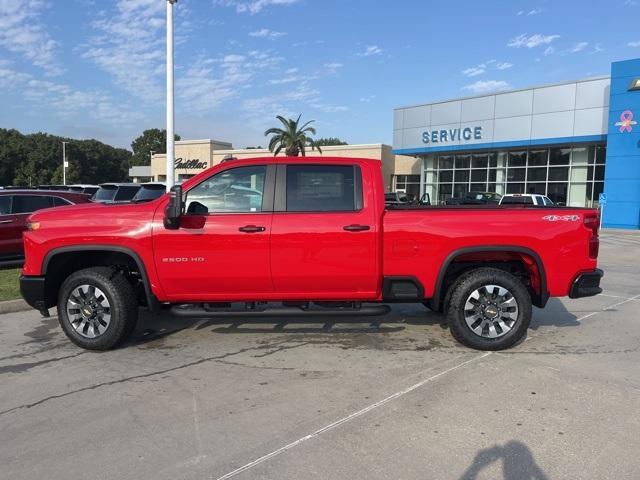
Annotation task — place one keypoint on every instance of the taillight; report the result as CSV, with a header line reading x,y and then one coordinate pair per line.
x,y
592,222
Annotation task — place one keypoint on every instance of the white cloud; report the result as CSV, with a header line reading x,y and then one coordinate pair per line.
x,y
371,50
549,50
597,48
68,102
209,82
474,71
483,86
23,32
483,67
332,67
578,47
329,108
130,47
255,6
631,3
634,44
266,33
531,41
535,11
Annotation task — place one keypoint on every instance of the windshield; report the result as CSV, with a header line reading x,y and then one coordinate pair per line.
x,y
517,200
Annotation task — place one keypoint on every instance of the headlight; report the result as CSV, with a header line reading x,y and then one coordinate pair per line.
x,y
31,226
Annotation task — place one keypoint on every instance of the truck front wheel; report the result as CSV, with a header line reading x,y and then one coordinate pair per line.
x,y
489,309
97,308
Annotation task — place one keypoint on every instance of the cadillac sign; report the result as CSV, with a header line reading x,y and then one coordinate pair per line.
x,y
190,164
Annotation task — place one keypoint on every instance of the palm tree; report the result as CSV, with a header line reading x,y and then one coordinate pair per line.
x,y
292,138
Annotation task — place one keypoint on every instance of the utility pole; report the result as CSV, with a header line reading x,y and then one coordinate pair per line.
x,y
171,152
64,163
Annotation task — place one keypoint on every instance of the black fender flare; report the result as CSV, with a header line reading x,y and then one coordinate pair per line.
x,y
539,300
152,301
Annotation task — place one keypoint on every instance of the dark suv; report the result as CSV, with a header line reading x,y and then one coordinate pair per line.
x,y
15,208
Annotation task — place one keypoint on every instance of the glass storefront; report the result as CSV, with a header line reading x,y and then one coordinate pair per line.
x,y
570,175
407,183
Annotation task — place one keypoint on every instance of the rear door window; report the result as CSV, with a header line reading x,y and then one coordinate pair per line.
x,y
30,203
5,205
323,188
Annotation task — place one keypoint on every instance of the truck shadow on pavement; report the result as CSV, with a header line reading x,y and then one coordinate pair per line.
x,y
517,462
555,314
153,327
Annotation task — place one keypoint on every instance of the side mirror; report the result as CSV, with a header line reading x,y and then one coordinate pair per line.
x,y
174,209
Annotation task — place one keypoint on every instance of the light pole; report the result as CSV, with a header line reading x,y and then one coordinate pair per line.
x,y
64,163
171,153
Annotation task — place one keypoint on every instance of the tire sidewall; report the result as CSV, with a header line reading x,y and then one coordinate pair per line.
x,y
114,330
474,280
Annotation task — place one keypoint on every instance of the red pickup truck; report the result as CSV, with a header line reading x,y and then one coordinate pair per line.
x,y
313,235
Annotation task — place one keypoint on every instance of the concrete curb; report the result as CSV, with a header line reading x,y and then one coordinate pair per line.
x,y
13,306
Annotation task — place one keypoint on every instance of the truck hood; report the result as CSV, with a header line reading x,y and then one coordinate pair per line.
x,y
89,211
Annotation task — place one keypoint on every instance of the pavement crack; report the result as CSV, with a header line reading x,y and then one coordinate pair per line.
x,y
128,379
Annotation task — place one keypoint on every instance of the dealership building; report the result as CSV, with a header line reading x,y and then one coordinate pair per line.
x,y
576,142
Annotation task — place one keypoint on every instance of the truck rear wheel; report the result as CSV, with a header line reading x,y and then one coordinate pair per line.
x,y
489,309
97,308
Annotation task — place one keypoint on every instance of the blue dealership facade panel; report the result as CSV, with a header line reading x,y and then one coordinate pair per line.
x,y
622,175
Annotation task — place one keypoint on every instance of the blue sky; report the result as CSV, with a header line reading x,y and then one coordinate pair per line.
x,y
95,68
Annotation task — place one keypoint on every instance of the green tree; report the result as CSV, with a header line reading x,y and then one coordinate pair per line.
x,y
328,141
12,153
36,159
292,138
152,140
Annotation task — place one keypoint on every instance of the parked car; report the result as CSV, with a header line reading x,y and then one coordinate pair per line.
x,y
397,198
526,199
475,198
116,192
320,242
401,199
149,191
15,207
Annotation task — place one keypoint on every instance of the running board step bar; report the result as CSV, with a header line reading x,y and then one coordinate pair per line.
x,y
191,311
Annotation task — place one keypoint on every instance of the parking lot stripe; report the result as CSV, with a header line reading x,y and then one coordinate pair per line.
x,y
607,308
348,418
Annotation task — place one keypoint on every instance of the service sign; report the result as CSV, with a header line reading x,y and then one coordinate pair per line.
x,y
446,136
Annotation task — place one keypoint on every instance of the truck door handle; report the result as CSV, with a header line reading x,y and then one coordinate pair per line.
x,y
356,228
251,229
6,221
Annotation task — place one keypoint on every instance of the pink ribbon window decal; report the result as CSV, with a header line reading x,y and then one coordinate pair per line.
x,y
626,121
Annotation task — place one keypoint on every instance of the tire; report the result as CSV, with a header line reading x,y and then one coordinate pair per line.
x,y
488,309
97,308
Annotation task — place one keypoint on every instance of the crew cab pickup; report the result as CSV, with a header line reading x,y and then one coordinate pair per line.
x,y
290,236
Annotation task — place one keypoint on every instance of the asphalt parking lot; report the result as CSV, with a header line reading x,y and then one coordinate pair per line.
x,y
202,399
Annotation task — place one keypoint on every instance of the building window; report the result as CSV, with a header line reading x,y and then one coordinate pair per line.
x,y
571,175
409,184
